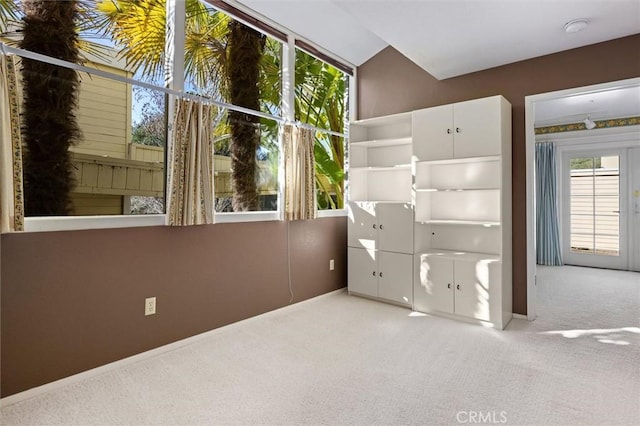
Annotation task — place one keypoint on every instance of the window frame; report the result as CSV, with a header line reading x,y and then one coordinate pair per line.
x,y
176,83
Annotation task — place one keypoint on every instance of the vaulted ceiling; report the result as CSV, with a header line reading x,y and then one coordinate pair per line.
x,y
448,38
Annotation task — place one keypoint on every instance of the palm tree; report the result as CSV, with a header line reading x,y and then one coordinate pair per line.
x,y
213,42
246,47
49,125
221,55
8,13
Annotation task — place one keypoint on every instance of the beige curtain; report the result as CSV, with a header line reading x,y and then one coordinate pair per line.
x,y
190,191
11,191
299,173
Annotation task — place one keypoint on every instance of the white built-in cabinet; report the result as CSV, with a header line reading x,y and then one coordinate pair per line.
x,y
434,186
381,220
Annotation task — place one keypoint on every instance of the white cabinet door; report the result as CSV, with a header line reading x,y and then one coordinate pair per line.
x,y
395,227
433,284
472,289
477,127
362,273
395,277
362,227
433,133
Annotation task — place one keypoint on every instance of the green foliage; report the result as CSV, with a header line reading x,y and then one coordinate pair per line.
x,y
585,163
8,13
138,28
320,101
151,129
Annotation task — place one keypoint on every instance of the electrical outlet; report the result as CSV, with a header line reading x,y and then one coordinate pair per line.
x,y
332,265
150,306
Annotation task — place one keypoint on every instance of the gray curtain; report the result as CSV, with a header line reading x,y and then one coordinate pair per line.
x,y
548,251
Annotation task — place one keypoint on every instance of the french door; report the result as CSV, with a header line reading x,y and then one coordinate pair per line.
x,y
594,202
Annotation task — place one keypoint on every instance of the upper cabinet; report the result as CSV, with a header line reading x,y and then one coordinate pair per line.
x,y
462,130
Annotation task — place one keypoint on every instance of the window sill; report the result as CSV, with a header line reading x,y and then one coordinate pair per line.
x,y
246,217
332,213
75,223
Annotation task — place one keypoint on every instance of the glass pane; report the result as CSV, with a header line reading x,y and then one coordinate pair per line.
x,y
321,101
581,163
607,245
595,205
582,243
214,68
256,189
607,177
103,156
329,156
582,224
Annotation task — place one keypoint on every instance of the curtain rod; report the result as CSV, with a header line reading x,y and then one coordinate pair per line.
x,y
8,50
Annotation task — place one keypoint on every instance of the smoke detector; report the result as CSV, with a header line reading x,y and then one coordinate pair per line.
x,y
576,25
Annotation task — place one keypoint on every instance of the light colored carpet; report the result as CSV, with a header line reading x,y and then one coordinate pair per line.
x,y
344,360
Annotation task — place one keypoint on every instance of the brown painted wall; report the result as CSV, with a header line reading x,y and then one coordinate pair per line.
x,y
389,83
72,301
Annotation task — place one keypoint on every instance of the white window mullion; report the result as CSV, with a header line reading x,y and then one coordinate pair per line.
x,y
174,44
287,108
173,75
288,79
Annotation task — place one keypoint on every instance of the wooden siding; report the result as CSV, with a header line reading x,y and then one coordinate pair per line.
x,y
139,152
595,206
96,204
104,116
99,175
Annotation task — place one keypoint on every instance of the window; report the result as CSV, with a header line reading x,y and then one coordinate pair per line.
x,y
224,58
321,101
108,136
92,145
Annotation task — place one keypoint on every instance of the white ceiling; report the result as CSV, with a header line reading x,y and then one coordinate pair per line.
x,y
616,103
448,38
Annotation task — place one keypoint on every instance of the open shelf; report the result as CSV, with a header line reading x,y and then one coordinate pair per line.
x,y
485,223
461,255
461,160
382,168
403,117
455,189
381,201
380,143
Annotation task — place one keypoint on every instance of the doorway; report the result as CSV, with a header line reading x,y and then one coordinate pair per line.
x,y
630,140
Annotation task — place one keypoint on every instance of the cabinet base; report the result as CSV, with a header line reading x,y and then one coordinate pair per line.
x,y
379,299
488,324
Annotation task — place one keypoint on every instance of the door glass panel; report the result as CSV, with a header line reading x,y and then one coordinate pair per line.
x,y
595,205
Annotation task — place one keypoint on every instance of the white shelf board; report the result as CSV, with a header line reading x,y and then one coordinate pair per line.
x,y
381,201
398,167
461,255
485,223
404,117
455,189
460,160
380,143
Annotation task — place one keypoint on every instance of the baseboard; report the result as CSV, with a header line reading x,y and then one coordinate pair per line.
x,y
76,378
